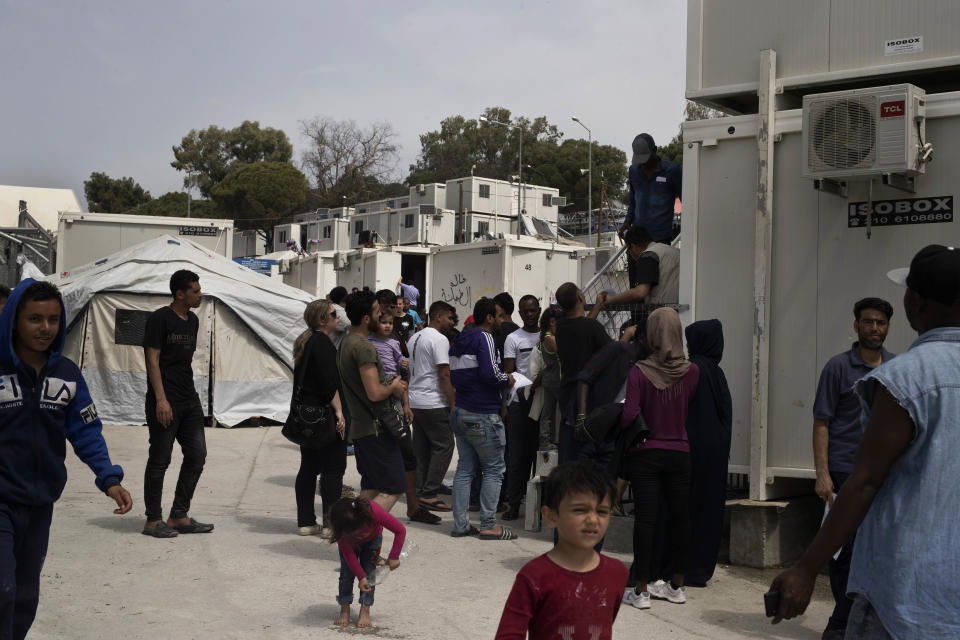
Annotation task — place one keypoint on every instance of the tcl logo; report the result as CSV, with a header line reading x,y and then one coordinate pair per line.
x,y
893,109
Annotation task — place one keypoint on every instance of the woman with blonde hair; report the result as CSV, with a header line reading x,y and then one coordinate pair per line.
x,y
314,350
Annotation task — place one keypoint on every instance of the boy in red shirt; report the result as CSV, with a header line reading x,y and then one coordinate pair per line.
x,y
571,592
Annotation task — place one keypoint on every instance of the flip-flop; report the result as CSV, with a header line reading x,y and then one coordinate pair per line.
x,y
160,530
505,534
436,505
471,531
194,527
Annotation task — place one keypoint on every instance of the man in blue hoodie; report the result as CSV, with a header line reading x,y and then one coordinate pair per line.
x,y
475,420
44,402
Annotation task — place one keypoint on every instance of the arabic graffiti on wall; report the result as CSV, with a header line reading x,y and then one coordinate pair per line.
x,y
458,292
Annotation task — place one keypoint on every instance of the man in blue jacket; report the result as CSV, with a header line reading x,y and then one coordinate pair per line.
x,y
475,420
44,402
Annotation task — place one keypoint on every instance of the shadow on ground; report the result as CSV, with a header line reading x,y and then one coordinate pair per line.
x,y
270,524
321,616
282,481
307,547
120,525
756,625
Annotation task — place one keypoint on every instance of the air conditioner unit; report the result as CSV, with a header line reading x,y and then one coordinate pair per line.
x,y
864,132
340,261
558,201
283,266
422,189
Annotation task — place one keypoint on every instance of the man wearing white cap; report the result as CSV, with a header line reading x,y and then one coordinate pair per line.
x,y
904,491
655,184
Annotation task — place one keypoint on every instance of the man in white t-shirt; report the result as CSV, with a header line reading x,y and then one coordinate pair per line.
x,y
522,433
431,398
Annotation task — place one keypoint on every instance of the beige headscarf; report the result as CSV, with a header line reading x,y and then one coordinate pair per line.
x,y
667,365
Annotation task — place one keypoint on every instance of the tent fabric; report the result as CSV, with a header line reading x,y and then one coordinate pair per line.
x,y
250,322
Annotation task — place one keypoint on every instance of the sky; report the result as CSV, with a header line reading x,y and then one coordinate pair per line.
x,y
113,86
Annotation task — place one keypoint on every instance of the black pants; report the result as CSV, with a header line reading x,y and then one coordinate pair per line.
x,y
839,569
329,463
24,532
648,471
433,444
522,442
187,429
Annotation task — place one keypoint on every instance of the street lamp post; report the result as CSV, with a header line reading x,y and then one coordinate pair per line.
x,y
521,192
589,175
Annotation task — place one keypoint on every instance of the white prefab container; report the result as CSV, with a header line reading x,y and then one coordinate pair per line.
x,y
87,237
313,273
372,268
818,43
462,274
824,259
248,243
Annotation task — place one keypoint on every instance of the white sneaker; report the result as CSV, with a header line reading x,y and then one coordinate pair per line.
x,y
639,600
312,530
664,591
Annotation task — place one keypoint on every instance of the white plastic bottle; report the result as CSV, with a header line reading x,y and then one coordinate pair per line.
x,y
380,574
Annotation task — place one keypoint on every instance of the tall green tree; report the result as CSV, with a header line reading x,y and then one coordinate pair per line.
x,y
462,146
174,204
206,156
113,195
257,194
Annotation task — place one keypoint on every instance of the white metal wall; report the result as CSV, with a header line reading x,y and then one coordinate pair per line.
x,y
820,267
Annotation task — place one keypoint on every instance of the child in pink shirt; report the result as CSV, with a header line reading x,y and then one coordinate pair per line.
x,y
357,528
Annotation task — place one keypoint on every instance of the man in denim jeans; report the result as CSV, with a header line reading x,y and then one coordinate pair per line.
x,y
902,492
475,420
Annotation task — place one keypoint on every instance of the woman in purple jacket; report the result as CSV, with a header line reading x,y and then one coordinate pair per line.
x,y
660,387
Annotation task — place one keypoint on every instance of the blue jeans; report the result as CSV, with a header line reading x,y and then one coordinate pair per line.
x,y
24,532
368,554
481,441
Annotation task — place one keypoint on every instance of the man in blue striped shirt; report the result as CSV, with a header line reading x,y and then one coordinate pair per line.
x,y
476,424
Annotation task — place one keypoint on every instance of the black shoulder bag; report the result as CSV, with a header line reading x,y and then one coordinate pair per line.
x,y
308,425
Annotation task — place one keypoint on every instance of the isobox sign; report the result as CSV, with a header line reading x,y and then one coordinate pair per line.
x,y
899,46
889,213
199,231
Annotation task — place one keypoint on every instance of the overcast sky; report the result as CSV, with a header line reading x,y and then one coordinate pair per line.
x,y
112,86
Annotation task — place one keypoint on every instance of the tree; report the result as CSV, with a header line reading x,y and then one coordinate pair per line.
x,y
113,195
673,151
343,158
257,194
208,155
174,204
463,146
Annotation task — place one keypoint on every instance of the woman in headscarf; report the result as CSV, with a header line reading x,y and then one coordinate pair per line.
x,y
709,425
660,388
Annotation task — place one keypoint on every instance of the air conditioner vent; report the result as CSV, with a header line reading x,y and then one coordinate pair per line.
x,y
864,132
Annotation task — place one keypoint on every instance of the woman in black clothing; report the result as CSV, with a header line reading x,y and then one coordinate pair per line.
x,y
709,425
314,350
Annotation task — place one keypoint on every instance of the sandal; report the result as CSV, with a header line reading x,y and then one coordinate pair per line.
x,y
471,531
505,534
436,505
194,527
160,530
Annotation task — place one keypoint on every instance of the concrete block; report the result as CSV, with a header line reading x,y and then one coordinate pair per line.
x,y
772,533
531,511
546,461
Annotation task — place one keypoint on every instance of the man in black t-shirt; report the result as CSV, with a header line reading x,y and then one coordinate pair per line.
x,y
173,408
578,337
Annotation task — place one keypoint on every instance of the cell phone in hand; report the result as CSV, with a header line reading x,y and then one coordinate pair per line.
x,y
771,602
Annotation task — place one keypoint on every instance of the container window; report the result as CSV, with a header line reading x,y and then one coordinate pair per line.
x,y
408,221
484,191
